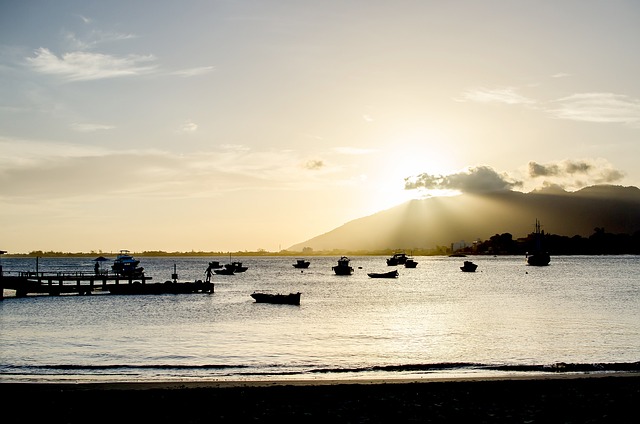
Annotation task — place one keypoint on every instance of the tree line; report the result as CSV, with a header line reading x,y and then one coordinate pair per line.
x,y
598,243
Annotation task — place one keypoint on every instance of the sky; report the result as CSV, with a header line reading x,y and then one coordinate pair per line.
x,y
246,125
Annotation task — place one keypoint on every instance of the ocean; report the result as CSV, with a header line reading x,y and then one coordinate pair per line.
x,y
579,314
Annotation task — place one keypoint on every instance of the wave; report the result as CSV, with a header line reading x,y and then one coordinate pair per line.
x,y
279,369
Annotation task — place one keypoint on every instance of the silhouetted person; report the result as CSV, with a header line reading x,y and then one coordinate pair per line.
x,y
209,272
96,268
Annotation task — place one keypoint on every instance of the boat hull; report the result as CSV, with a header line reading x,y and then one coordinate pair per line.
x,y
278,299
468,267
392,274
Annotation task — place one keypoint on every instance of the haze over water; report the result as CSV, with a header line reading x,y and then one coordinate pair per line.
x,y
433,321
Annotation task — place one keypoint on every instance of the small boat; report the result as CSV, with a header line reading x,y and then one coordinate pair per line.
x,y
126,265
410,263
235,267
390,274
469,266
343,267
539,257
397,259
301,263
224,271
281,299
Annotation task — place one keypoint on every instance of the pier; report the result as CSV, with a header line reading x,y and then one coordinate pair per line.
x,y
26,283
129,279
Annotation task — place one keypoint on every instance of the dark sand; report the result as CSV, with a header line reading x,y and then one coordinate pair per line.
x,y
549,399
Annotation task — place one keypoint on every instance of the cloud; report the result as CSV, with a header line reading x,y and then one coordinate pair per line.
x,y
314,164
499,95
84,66
88,127
94,38
193,72
189,127
575,173
33,171
355,151
479,179
598,107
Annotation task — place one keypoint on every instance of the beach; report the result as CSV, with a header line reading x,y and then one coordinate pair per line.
x,y
563,398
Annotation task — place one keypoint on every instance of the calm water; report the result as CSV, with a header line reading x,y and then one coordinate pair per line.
x,y
433,321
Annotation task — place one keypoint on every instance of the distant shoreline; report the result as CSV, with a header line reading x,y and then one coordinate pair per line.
x,y
276,254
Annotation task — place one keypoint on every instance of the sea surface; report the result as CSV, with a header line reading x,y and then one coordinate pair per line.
x,y
579,314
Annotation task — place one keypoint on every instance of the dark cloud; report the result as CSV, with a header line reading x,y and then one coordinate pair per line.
x,y
314,164
563,168
576,172
480,179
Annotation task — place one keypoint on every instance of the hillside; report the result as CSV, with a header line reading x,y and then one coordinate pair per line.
x,y
440,221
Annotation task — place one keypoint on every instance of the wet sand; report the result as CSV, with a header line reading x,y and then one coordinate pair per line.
x,y
578,398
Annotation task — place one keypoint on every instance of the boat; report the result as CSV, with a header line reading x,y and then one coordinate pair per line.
x,y
225,271
469,266
539,257
410,263
390,274
126,265
397,259
343,267
281,299
236,267
231,268
301,263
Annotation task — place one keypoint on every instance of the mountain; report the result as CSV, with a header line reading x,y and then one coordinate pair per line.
x,y
440,221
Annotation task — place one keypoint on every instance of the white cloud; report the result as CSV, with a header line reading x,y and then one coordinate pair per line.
x,y
89,127
499,95
189,127
353,151
84,66
598,107
193,72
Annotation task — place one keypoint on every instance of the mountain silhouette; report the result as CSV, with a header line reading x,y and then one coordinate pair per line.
x,y
441,221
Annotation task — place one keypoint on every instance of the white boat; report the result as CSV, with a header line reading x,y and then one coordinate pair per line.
x,y
126,265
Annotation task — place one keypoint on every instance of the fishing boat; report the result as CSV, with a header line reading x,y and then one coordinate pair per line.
x,y
236,267
390,274
410,263
301,263
397,259
281,299
225,271
539,257
469,266
126,265
343,267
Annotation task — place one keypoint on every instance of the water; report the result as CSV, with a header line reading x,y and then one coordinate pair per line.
x,y
433,321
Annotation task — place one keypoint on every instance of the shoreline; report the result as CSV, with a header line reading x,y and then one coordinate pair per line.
x,y
577,398
221,384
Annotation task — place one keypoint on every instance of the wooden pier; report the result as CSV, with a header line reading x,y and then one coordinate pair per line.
x,y
25,283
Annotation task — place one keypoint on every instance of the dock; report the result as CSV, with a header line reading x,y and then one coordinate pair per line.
x,y
26,283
